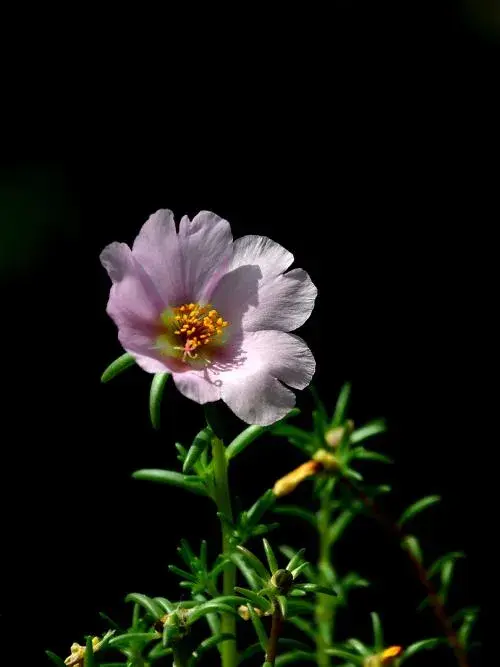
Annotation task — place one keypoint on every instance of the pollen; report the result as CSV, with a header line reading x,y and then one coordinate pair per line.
x,y
196,326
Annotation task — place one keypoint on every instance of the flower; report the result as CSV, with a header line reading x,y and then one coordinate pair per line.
x,y
77,656
215,313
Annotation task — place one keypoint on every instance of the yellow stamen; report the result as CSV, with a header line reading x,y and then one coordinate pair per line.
x,y
196,325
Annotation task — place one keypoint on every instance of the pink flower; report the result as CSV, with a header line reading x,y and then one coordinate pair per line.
x,y
214,313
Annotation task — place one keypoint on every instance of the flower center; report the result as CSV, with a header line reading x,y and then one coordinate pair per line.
x,y
190,328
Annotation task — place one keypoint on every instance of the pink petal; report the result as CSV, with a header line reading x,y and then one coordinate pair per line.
x,y
269,256
206,248
156,248
282,302
262,360
198,386
134,305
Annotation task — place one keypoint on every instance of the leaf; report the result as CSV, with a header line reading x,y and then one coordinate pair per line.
x,y
89,660
122,641
259,508
244,439
367,455
186,553
314,588
188,482
295,560
117,366
411,544
304,626
359,647
271,558
110,621
298,512
339,525
368,431
155,395
345,655
252,560
152,607
470,617
55,659
207,644
341,408
301,439
262,529
440,562
282,601
208,608
182,573
257,600
299,569
201,442
378,635
418,507
248,572
294,656
422,645
320,407
165,604
258,627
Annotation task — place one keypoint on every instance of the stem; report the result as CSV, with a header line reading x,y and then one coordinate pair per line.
x,y
272,648
223,502
325,604
435,601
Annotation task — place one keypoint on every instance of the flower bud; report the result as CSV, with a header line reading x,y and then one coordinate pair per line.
x,y
290,482
334,436
327,460
283,580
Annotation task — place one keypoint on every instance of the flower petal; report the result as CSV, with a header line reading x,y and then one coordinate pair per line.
x,y
282,302
206,247
269,256
198,386
156,248
262,360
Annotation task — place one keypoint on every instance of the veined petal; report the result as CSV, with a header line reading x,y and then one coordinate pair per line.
x,y
156,248
252,387
271,258
206,248
198,386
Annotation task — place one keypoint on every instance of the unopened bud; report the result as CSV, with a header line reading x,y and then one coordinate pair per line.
x,y
334,436
387,657
283,580
290,482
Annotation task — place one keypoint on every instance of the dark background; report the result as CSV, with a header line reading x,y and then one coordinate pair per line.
x,y
366,142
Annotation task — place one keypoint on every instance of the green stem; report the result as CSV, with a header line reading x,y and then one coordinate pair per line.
x,y
223,502
325,604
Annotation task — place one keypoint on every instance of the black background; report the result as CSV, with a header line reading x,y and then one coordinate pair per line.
x,y
365,141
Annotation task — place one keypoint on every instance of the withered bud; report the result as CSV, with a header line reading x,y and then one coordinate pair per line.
x,y
245,614
290,482
328,461
387,657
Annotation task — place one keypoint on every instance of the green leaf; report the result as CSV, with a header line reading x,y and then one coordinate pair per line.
x,y
155,395
368,431
301,439
378,635
470,617
345,655
182,573
339,525
248,572
203,554
201,442
422,645
262,529
207,608
118,366
440,562
252,560
165,604
259,508
122,641
257,600
295,560
314,588
89,660
296,571
271,558
259,628
412,545
282,601
207,644
152,607
359,647
304,626
188,482
339,415
418,507
367,455
294,656
244,439
186,553
298,512
110,621
55,659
